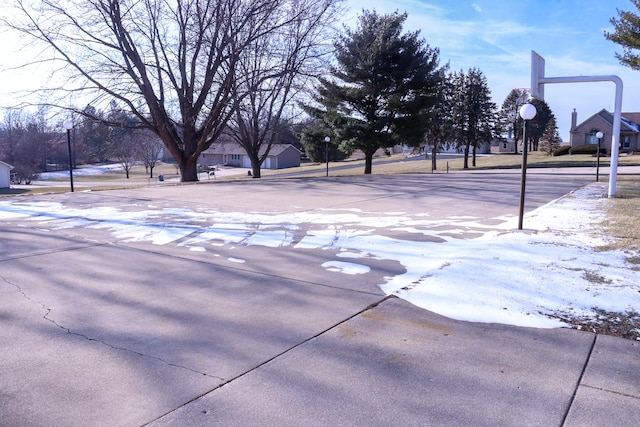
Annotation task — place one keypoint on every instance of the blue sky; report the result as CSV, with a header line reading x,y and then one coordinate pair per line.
x,y
497,37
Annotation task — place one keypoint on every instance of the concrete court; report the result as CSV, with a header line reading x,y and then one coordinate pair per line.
x,y
98,330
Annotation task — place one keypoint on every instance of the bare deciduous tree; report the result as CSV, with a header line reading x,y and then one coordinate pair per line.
x,y
272,71
151,151
25,139
170,63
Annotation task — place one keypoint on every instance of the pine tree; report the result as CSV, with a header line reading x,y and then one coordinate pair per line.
x,y
381,88
440,129
551,140
538,125
474,114
509,113
627,34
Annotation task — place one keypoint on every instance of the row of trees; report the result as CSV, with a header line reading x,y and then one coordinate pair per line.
x,y
32,144
187,71
388,88
26,141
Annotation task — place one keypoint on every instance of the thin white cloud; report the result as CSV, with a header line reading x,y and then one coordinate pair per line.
x,y
476,7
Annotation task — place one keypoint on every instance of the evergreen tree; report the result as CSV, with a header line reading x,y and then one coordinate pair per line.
x,y
474,114
439,132
510,114
312,138
627,34
538,125
381,88
92,135
551,139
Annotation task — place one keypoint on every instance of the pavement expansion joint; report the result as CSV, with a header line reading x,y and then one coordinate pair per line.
x,y
270,360
579,382
46,317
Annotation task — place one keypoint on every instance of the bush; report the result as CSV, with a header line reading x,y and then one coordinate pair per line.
x,y
564,150
588,149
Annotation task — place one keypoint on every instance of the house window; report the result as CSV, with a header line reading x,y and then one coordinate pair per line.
x,y
591,138
626,141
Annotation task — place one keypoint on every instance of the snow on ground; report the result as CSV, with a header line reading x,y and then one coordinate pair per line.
x,y
504,275
95,170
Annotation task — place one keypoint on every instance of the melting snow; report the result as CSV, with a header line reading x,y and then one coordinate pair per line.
x,y
456,267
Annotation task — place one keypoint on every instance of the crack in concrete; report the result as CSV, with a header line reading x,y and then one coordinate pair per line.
x,y
96,340
619,393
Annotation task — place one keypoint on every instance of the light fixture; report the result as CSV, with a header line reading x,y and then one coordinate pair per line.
x,y
527,112
326,152
68,125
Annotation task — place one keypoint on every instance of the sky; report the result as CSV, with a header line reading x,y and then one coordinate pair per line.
x,y
495,36
527,278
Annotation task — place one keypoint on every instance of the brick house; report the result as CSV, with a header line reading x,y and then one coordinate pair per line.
x,y
585,132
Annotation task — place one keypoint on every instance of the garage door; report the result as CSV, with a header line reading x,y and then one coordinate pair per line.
x,y
246,163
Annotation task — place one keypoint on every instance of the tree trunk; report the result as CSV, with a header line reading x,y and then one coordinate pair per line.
x,y
473,161
434,152
466,156
368,163
188,170
255,170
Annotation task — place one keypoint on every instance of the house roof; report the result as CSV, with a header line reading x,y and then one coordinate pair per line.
x,y
10,167
232,147
628,121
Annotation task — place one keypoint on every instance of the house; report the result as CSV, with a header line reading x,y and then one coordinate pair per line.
x,y
585,132
230,153
5,174
502,146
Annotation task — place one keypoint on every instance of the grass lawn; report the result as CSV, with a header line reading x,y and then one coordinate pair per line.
x,y
622,217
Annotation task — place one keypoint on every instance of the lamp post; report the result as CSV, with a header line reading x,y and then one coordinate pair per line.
x,y
527,112
326,152
68,125
599,135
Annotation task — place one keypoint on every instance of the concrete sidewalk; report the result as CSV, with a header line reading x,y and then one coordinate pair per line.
x,y
102,329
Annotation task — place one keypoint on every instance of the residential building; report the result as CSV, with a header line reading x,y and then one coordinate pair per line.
x,y
5,174
585,132
230,153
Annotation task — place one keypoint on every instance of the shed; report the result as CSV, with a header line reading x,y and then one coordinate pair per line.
x,y
5,174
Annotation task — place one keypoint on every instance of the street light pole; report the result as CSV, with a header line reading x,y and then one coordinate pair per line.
x,y
326,152
68,125
599,135
527,112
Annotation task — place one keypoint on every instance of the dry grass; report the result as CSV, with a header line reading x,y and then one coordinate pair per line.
x,y
622,217
382,166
